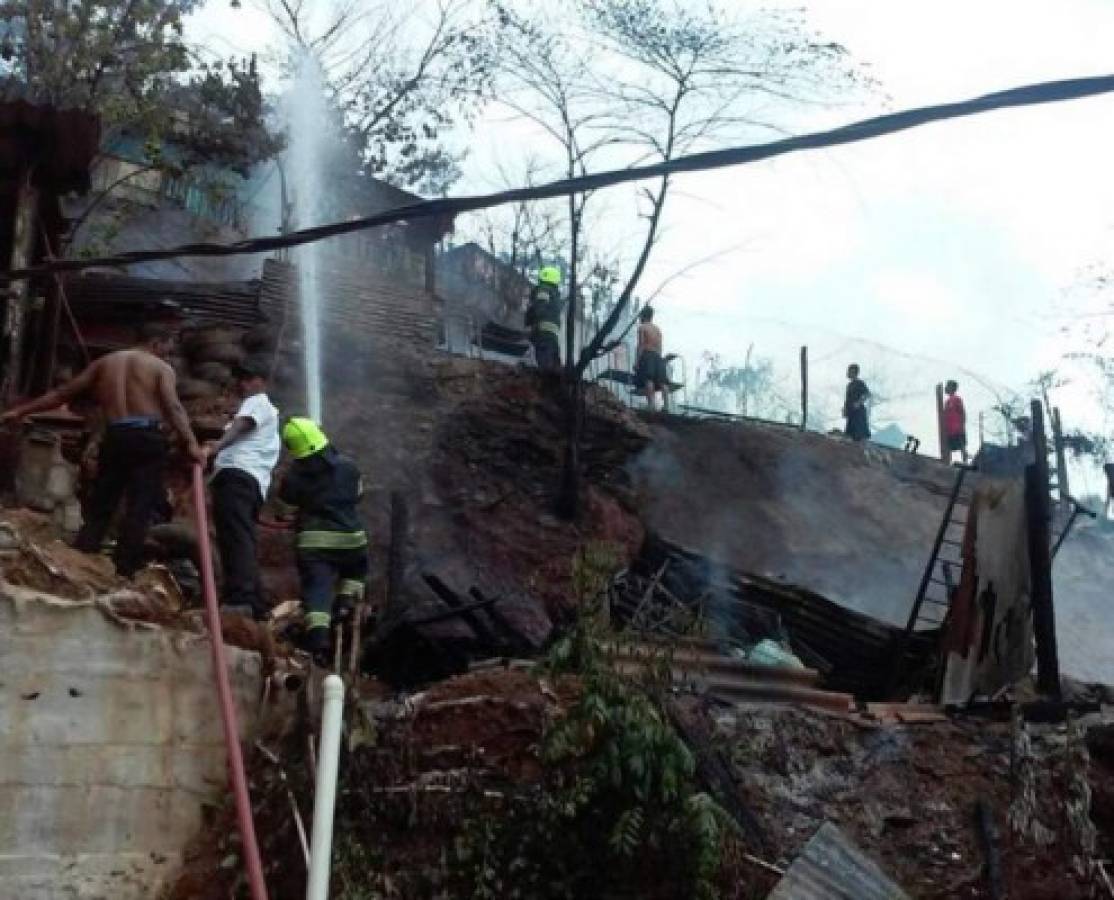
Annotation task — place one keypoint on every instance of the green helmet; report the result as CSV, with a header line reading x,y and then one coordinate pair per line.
x,y
303,437
549,275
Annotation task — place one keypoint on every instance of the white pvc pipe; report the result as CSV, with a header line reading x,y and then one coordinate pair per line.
x,y
325,791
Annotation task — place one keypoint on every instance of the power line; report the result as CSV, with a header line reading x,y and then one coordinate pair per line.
x,y
1028,95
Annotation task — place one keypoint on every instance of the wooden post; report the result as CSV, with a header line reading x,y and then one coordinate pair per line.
x,y
942,436
804,388
1039,515
15,314
1062,489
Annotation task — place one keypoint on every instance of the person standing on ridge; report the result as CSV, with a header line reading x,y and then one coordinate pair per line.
x,y
955,423
543,318
243,460
137,391
854,406
650,372
325,488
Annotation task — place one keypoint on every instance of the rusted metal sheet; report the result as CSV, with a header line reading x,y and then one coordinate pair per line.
x,y
116,298
830,867
989,639
359,301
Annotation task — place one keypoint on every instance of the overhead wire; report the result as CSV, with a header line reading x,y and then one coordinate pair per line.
x,y
891,123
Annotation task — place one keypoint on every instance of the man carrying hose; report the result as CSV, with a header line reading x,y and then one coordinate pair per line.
x,y
137,391
242,462
325,488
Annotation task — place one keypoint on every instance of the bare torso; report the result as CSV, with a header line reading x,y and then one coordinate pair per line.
x,y
126,383
649,337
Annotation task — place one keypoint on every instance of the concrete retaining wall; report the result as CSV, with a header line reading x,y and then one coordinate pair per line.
x,y
110,742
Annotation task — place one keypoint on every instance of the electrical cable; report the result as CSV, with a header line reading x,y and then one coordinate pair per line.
x,y
891,123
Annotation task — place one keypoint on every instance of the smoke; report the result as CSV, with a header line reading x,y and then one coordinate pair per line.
x,y
308,129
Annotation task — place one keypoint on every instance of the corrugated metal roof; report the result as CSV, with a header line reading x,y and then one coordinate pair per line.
x,y
103,297
830,867
358,300
856,648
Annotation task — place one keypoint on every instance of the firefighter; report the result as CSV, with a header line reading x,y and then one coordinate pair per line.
x,y
324,487
543,318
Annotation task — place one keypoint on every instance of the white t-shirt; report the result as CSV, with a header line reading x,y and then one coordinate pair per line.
x,y
256,452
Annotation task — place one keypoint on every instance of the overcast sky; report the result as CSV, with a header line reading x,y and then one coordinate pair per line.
x,y
943,250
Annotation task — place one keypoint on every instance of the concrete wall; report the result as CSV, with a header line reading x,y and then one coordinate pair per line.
x,y
110,741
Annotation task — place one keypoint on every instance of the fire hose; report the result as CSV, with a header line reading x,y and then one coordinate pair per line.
x,y
224,692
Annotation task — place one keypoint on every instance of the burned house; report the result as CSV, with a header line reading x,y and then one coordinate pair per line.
x,y
45,153
478,289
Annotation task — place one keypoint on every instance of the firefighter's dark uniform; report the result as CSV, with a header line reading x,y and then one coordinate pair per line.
x,y
325,487
543,318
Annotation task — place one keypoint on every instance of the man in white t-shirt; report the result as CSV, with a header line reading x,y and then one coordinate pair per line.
x,y
242,464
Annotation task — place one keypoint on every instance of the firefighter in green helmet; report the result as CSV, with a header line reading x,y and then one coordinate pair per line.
x,y
543,318
325,488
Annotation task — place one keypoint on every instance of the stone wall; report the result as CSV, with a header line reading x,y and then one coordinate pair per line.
x,y
110,742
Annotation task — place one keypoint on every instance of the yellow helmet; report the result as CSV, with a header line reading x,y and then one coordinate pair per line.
x,y
549,275
303,437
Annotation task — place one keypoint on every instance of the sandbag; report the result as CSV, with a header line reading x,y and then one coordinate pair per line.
x,y
197,389
229,354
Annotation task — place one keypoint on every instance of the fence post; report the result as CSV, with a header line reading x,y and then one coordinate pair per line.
x,y
941,436
804,388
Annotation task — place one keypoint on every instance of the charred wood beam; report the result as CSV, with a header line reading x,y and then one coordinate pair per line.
x,y
714,771
1039,515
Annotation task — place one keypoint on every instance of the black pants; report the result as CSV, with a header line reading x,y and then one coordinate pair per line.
x,y
328,575
858,427
236,503
132,466
547,350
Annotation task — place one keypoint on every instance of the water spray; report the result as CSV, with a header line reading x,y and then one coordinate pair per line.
x,y
309,130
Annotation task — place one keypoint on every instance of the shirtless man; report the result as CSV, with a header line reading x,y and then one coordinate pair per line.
x,y
137,391
650,373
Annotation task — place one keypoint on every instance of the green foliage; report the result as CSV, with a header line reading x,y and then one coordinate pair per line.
x,y
619,811
129,63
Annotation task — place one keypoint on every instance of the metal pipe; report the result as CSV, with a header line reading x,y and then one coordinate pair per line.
x,y
224,693
325,789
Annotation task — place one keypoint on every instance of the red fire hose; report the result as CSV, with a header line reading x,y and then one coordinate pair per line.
x,y
224,692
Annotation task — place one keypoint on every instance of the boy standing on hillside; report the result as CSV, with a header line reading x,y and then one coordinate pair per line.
x,y
955,422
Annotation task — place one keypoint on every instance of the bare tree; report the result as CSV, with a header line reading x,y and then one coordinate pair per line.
x,y
649,80
399,77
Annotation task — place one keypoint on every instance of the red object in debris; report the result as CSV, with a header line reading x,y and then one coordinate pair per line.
x,y
224,692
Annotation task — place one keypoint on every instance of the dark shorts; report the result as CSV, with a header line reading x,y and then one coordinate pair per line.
x,y
651,369
957,442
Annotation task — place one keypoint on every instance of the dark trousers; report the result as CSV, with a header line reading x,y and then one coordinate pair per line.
x,y
327,575
236,503
131,466
858,427
547,350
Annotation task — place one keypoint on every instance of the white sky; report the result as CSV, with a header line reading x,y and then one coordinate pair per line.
x,y
952,242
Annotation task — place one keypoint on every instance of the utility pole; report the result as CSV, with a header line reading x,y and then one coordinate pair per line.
x,y
944,454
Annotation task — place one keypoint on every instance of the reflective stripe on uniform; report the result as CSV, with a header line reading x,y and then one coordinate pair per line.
x,y
551,327
318,620
332,540
349,587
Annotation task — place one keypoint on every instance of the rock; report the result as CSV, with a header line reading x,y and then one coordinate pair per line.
x,y
9,538
197,389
